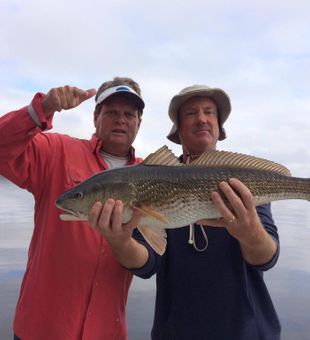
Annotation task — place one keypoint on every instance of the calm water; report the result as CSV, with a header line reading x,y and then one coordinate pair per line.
x,y
289,281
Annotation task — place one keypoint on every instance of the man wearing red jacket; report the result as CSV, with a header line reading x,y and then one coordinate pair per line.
x,y
73,287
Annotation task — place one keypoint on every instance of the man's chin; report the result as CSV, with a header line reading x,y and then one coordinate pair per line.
x,y
119,137
204,137
205,144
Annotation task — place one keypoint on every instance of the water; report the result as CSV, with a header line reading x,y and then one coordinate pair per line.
x,y
288,282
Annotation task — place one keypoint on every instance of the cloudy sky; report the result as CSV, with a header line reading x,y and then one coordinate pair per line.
x,y
257,51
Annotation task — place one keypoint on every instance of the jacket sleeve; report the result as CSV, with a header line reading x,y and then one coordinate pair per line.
x,y
153,263
22,145
265,215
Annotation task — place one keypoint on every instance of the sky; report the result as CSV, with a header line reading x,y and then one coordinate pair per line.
x,y
257,51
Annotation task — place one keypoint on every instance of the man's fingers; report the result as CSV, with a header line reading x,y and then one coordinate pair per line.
x,y
106,214
117,216
64,95
79,96
51,102
89,93
72,96
245,193
65,98
222,207
100,215
95,214
108,217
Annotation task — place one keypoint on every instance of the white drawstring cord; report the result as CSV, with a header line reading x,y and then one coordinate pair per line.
x,y
192,241
191,231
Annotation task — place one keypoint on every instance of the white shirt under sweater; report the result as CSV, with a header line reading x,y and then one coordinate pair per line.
x,y
114,161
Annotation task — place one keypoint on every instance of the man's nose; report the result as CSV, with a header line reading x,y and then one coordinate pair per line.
x,y
201,117
120,117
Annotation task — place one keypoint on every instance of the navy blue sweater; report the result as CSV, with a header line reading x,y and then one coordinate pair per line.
x,y
211,295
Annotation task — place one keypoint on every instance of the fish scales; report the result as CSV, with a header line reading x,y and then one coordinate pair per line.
x,y
171,189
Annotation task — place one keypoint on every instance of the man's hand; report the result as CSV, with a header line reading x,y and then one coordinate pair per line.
x,y
64,98
241,220
239,214
107,219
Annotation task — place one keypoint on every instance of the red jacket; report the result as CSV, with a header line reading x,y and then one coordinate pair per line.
x,y
73,287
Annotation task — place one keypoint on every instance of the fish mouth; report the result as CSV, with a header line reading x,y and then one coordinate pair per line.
x,y
70,215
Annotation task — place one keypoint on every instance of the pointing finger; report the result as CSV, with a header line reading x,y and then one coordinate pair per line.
x,y
79,96
74,96
89,93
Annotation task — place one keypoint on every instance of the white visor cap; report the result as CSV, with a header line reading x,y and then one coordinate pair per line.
x,y
125,91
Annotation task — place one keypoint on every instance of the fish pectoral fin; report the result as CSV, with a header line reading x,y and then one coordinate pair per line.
x,y
69,217
151,212
155,237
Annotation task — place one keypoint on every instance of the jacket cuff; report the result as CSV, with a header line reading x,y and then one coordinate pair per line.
x,y
273,261
36,112
148,269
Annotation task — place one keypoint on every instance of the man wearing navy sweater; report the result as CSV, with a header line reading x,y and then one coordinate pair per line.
x,y
210,279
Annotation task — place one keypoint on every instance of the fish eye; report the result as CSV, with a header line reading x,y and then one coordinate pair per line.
x,y
77,195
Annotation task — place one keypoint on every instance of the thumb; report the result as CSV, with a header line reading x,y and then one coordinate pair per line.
x,y
135,219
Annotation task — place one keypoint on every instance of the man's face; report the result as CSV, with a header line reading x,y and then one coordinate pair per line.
x,y
198,125
117,124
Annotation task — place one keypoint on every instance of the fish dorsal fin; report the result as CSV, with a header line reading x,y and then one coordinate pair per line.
x,y
162,156
237,160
